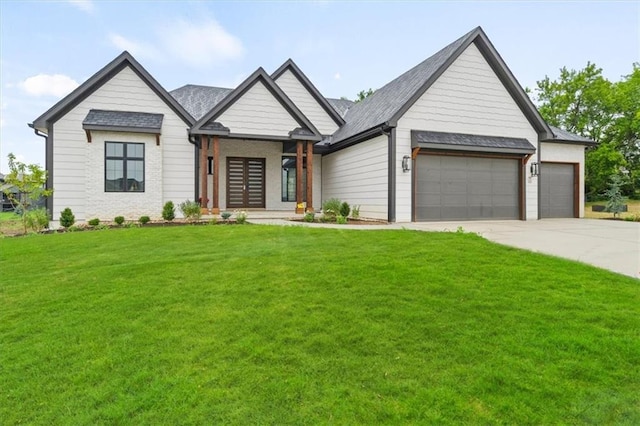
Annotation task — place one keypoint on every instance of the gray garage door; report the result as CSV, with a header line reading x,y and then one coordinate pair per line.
x,y
556,190
466,188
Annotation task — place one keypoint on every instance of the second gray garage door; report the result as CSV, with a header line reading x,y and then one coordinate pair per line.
x,y
466,188
557,192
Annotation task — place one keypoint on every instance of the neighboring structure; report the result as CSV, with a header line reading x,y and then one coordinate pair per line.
x,y
455,137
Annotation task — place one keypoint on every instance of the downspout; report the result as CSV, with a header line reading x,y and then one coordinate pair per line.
x,y
196,182
48,165
390,132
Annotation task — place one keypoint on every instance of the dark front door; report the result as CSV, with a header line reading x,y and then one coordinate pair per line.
x,y
245,182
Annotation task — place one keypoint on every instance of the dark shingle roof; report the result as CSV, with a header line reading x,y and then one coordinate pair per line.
x,y
101,119
470,142
340,105
199,100
385,102
560,135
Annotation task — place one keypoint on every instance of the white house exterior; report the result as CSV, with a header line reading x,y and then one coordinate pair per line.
x,y
455,137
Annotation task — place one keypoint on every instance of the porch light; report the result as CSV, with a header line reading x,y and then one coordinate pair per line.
x,y
533,168
406,163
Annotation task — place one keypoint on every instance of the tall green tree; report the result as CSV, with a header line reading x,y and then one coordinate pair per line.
x,y
586,103
363,94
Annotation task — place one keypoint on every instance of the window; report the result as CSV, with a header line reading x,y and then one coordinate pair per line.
x,y
289,179
124,167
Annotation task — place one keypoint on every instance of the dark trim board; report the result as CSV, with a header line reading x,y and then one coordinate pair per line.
x,y
391,190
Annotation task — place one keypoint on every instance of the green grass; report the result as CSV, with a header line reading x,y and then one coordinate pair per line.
x,y
291,325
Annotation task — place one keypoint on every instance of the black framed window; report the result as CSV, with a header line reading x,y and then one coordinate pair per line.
x,y
124,167
289,179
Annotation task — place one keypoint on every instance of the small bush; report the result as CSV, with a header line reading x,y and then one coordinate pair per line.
x,y
169,211
94,222
341,220
241,217
101,227
67,218
119,220
355,212
191,210
213,221
144,220
633,218
131,224
330,209
225,216
37,219
310,217
345,209
74,228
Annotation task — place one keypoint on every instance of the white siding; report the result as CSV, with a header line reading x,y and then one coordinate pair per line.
x,y
258,112
272,153
467,98
78,175
306,103
358,175
566,153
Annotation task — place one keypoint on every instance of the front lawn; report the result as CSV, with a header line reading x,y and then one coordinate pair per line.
x,y
291,325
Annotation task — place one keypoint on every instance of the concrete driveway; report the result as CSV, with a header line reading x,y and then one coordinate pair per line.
x,y
609,244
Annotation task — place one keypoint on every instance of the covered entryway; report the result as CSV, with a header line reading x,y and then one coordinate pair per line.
x,y
558,190
245,182
466,188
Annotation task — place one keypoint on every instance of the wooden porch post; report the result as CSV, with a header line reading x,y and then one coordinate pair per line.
x,y
310,176
299,208
204,157
215,207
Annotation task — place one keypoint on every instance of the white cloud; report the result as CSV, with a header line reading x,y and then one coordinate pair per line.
x,y
84,5
204,42
134,47
57,85
337,76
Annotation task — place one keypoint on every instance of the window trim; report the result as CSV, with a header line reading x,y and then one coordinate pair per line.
x,y
304,175
124,159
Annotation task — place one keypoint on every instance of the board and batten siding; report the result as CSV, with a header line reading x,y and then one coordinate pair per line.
x,y
306,103
566,153
467,98
78,175
358,175
258,112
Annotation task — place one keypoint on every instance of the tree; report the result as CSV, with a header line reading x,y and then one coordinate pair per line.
x,y
585,103
24,186
363,94
615,200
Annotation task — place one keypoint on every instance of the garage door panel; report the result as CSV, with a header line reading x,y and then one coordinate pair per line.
x,y
466,188
557,190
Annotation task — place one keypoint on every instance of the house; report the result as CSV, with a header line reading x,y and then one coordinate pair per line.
x,y
453,138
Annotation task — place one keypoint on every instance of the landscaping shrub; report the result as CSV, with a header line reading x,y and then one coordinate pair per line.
x,y
191,210
330,209
341,220
169,211
345,209
94,222
241,217
615,200
144,219
225,216
67,218
355,212
37,219
310,217
119,220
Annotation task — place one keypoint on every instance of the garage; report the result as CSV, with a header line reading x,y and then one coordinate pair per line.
x,y
466,188
467,177
558,190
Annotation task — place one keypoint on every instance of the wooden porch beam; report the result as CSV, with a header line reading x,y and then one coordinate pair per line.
x,y
299,201
310,176
215,208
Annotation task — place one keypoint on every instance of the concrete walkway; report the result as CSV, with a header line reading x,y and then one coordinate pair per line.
x,y
608,244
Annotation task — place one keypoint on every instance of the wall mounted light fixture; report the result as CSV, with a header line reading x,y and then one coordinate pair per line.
x,y
534,169
406,163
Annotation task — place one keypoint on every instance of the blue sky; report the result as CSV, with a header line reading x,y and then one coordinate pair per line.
x,y
49,47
